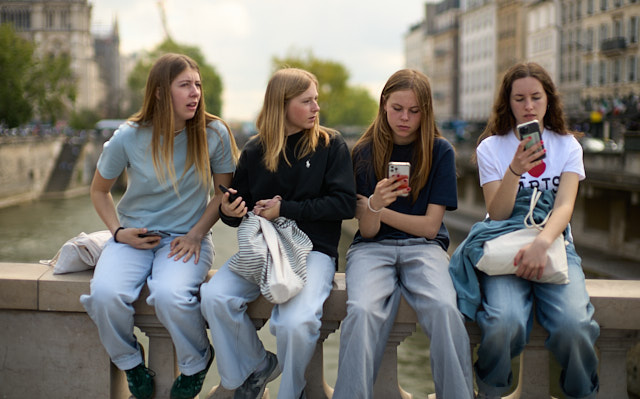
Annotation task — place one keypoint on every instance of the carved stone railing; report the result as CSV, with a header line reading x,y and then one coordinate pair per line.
x,y
49,345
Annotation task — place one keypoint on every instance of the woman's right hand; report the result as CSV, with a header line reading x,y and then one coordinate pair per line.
x,y
526,159
386,192
131,236
236,208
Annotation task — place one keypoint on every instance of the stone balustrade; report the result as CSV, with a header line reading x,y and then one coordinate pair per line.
x,y
49,347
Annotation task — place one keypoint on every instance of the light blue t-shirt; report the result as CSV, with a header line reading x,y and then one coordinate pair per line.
x,y
146,202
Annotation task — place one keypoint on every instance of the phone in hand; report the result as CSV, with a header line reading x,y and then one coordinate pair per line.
x,y
155,233
531,129
232,196
396,169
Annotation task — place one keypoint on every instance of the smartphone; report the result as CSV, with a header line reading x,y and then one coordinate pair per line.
x,y
400,169
232,196
155,233
531,129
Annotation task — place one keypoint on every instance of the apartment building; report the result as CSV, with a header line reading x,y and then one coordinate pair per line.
x,y
590,47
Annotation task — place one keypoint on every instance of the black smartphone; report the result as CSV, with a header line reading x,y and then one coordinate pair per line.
x,y
155,233
232,196
531,129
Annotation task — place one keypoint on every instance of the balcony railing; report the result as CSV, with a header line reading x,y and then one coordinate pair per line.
x,y
614,45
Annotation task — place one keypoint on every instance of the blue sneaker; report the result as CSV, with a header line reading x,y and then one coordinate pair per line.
x,y
253,387
188,386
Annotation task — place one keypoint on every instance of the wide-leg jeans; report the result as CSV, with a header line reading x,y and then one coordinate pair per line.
x,y
377,275
117,281
564,311
295,323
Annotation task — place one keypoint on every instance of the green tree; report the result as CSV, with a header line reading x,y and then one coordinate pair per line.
x,y
340,103
15,59
211,81
30,86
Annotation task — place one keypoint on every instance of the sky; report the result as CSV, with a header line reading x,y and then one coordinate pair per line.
x,y
239,38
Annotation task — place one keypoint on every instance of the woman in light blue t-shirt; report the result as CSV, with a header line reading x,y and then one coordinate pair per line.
x,y
170,149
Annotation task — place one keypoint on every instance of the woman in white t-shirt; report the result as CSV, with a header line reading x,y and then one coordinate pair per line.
x,y
527,93
171,149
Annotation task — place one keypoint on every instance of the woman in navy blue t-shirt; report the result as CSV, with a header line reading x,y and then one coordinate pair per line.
x,y
400,248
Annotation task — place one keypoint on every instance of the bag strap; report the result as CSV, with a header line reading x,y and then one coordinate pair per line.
x,y
528,219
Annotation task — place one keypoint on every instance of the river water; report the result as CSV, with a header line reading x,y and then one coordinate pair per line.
x,y
36,230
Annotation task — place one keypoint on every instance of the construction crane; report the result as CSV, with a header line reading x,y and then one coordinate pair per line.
x,y
163,18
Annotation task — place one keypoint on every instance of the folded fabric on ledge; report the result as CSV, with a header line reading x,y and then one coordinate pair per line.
x,y
79,253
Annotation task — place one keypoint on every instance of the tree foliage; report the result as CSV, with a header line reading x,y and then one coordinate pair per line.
x,y
211,81
32,86
340,103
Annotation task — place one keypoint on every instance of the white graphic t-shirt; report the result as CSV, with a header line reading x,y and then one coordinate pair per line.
x,y
564,154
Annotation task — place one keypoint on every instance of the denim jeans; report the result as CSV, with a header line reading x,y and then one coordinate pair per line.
x,y
117,280
295,323
564,311
378,274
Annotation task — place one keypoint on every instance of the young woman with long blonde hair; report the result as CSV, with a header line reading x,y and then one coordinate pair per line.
x,y
171,149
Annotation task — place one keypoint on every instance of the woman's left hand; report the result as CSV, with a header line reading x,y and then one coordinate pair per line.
x,y
184,247
531,260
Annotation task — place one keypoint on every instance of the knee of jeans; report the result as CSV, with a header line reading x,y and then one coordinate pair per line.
x,y
105,295
570,328
505,326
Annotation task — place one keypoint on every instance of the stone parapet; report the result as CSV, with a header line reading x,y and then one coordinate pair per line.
x,y
49,344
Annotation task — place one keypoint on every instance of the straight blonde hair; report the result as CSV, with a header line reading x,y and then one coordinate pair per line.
x,y
379,134
157,112
284,85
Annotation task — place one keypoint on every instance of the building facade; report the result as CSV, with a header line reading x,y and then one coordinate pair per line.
x,y
64,27
590,47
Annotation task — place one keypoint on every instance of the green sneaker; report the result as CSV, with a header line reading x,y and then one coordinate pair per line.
x,y
140,381
188,386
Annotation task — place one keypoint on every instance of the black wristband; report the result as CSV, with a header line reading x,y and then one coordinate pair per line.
x,y
115,233
513,171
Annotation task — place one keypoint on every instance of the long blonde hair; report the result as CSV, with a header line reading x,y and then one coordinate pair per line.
x,y
157,112
284,85
379,134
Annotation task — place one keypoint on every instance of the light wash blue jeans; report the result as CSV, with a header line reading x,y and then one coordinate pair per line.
x,y
117,280
378,274
564,311
295,323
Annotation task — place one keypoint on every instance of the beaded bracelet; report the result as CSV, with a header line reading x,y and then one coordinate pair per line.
x,y
115,233
370,207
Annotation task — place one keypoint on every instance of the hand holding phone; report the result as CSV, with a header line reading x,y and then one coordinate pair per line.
x,y
531,129
232,196
396,169
154,233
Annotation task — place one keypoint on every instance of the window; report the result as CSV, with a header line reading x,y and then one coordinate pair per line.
x,y
617,28
633,30
590,7
617,69
604,33
602,73
632,68
20,18
588,74
589,40
603,5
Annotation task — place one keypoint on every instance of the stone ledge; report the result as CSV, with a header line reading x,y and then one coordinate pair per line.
x,y
30,286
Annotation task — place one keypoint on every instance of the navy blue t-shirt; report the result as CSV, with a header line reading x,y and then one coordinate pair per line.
x,y
440,188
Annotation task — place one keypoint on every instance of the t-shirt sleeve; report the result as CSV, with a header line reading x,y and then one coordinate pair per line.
x,y
575,162
114,159
220,156
488,163
444,189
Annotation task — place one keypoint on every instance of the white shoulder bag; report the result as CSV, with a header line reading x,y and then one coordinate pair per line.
x,y
500,252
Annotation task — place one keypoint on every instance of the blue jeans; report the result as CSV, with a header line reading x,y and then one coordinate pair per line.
x,y
295,323
117,281
378,274
564,311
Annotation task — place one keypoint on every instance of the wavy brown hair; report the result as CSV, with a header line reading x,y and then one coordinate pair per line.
x,y
284,85
157,112
379,134
502,120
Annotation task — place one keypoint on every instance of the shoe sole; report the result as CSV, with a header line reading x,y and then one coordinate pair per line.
x,y
274,374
